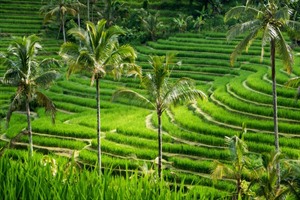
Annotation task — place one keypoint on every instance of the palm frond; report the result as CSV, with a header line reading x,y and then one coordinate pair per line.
x,y
14,105
295,25
79,34
171,58
273,31
283,14
69,51
293,82
242,45
92,31
49,106
12,77
242,28
238,11
285,52
160,70
149,83
87,62
50,14
71,11
132,69
221,171
45,79
182,90
130,94
120,59
114,31
49,62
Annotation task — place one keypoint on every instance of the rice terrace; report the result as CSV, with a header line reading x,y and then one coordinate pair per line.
x,y
149,99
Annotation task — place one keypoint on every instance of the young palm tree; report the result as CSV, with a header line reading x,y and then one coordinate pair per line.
x,y
99,54
29,75
267,21
162,92
266,178
59,9
152,25
240,164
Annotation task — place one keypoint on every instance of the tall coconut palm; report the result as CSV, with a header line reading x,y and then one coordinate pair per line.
x,y
59,9
29,75
267,22
99,54
162,92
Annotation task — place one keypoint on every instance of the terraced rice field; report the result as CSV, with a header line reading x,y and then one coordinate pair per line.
x,y
193,135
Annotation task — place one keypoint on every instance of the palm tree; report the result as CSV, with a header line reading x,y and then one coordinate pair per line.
x,y
240,164
152,25
291,177
267,21
99,54
266,179
29,75
162,92
59,9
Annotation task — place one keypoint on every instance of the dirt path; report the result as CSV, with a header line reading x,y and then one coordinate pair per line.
x,y
209,118
254,102
250,114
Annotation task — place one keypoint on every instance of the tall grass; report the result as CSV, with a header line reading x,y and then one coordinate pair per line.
x,y
48,179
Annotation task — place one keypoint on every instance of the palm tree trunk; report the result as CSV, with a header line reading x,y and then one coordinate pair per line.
x,y
59,32
63,27
159,143
98,125
78,16
29,128
92,12
275,108
78,21
88,10
239,189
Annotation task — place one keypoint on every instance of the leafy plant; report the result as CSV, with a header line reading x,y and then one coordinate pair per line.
x,y
162,92
99,54
29,75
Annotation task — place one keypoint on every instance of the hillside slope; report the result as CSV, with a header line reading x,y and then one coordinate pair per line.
x,y
193,134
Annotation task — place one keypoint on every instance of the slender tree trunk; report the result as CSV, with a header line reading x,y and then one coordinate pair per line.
x,y
29,128
159,131
59,31
78,16
78,22
63,27
238,189
275,108
98,125
88,10
92,12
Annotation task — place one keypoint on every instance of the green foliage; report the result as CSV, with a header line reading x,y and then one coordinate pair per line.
x,y
55,142
47,178
62,129
18,123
